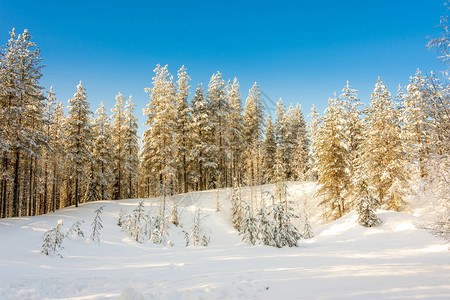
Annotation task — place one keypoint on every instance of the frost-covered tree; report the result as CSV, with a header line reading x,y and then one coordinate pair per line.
x,y
118,139
182,129
97,225
75,230
299,144
202,153
313,130
219,112
159,139
332,162
249,228
269,151
236,132
103,153
53,239
253,133
131,150
237,208
415,122
21,126
79,138
282,132
382,149
352,127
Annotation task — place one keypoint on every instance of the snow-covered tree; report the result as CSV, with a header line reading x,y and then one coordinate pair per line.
x,y
253,133
103,153
79,138
269,151
53,239
182,129
352,127
159,139
415,122
219,112
299,144
282,158
313,130
332,162
249,228
118,137
21,109
203,150
236,208
130,150
382,149
236,132
97,225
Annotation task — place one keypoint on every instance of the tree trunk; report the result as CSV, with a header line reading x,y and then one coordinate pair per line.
x,y
16,186
76,191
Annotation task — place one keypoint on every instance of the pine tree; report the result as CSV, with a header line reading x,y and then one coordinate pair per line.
x,y
299,144
416,122
313,130
332,161
283,147
353,133
79,138
182,129
249,229
159,142
254,126
118,136
103,152
236,132
203,150
219,112
57,144
97,225
130,149
269,151
383,150
22,105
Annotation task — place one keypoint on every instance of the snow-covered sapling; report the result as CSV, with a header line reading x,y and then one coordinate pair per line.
x,y
285,233
53,239
174,217
121,218
236,208
75,230
97,225
366,207
307,232
249,229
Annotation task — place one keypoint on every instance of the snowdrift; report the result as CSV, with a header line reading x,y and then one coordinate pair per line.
x,y
343,261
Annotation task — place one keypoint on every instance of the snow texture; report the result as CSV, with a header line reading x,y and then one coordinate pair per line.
x,y
343,261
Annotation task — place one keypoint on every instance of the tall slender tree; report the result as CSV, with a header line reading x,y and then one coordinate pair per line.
x,y
79,138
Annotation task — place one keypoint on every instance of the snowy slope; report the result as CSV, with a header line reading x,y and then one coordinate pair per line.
x,y
344,261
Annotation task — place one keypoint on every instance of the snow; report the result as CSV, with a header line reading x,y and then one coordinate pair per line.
x,y
395,260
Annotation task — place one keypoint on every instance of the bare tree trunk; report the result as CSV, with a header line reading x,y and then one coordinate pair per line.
x,y
16,185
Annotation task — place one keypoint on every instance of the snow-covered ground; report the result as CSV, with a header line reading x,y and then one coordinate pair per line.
x,y
343,261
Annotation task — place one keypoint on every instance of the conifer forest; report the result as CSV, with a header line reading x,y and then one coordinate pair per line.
x,y
208,193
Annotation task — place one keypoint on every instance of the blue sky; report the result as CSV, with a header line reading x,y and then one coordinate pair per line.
x,y
301,51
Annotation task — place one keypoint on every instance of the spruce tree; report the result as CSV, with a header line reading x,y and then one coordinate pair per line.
x,y
332,162
118,136
159,140
182,129
131,150
79,138
269,151
103,151
382,149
